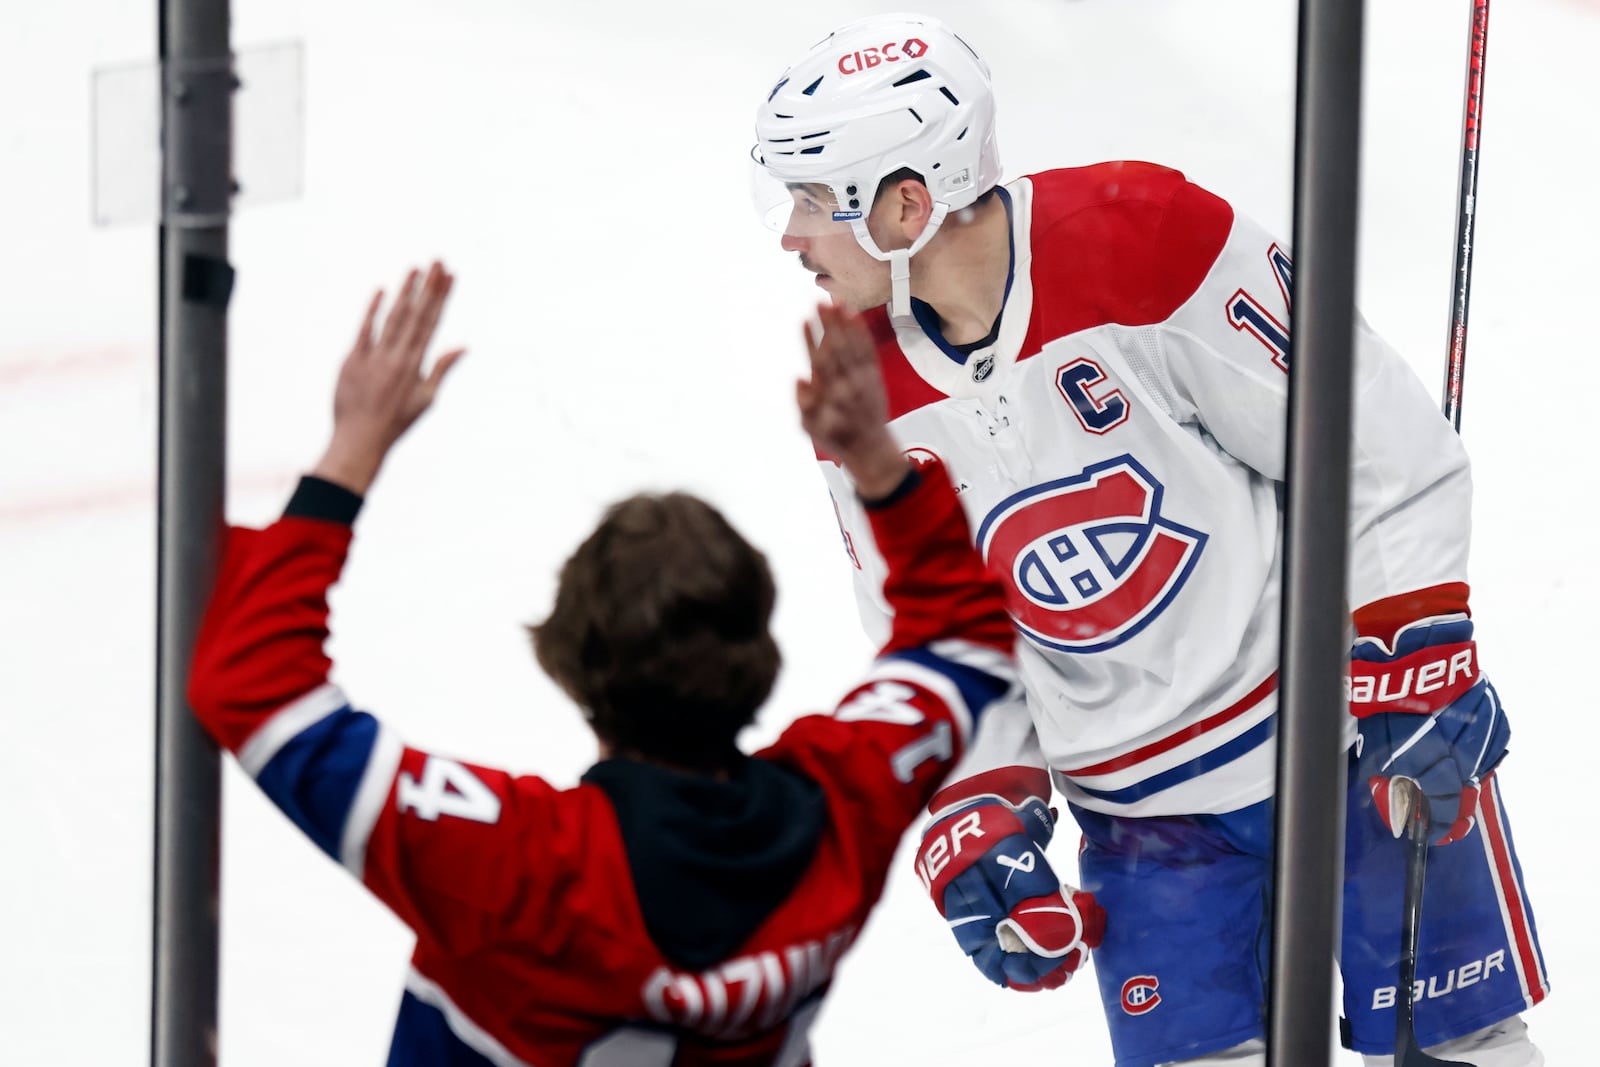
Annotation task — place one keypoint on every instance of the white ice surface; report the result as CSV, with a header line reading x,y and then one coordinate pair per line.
x,y
582,167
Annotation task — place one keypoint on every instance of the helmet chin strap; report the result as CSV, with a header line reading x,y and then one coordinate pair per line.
x,y
900,282
899,259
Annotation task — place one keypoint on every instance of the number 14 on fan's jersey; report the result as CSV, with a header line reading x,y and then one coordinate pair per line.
x,y
446,788
1245,312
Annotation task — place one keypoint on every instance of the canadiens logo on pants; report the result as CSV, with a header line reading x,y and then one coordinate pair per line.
x,y
1139,994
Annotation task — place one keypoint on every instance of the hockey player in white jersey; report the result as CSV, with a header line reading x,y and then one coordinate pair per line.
x,y
1099,357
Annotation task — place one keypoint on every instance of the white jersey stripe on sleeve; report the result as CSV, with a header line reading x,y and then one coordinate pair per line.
x,y
367,804
285,724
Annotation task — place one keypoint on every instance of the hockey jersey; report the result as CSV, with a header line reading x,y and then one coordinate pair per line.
x,y
645,917
1118,445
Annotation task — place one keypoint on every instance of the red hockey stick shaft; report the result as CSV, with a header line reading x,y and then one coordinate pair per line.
x,y
1466,207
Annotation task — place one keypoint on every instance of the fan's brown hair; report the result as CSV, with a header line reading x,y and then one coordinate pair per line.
x,y
660,631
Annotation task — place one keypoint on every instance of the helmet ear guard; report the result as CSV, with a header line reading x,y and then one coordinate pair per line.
x,y
882,94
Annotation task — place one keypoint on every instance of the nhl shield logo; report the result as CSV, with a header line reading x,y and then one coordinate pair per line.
x,y
983,368
1088,561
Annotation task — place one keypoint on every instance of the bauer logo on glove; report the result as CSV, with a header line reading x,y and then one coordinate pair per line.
x,y
984,865
1426,712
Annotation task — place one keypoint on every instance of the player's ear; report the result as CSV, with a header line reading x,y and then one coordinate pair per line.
x,y
900,213
915,204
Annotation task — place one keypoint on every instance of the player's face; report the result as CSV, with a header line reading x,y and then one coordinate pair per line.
x,y
829,249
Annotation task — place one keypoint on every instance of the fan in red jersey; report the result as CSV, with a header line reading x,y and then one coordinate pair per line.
x,y
686,904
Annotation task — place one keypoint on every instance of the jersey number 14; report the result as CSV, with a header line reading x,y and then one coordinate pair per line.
x,y
1245,312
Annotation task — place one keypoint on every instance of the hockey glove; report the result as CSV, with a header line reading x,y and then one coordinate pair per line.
x,y
985,867
1427,713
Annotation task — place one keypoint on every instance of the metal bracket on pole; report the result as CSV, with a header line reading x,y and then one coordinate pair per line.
x,y
199,182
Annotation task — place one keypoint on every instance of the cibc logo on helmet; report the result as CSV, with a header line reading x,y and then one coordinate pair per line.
x,y
868,58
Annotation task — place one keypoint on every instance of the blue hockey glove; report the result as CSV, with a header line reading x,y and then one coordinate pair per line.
x,y
985,867
1427,713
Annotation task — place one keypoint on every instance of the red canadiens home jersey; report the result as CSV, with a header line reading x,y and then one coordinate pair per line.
x,y
645,917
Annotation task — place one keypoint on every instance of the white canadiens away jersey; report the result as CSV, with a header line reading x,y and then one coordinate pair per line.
x,y
1118,444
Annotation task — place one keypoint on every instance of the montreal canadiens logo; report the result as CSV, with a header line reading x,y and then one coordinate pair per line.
x,y
1088,561
1139,994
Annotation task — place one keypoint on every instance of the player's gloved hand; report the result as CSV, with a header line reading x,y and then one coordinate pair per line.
x,y
985,867
1427,713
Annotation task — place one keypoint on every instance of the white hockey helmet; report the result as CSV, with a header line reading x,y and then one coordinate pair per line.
x,y
881,94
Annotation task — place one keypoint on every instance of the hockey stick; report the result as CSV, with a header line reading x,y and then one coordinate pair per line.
x,y
1414,802
1466,207
1413,806
1410,794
